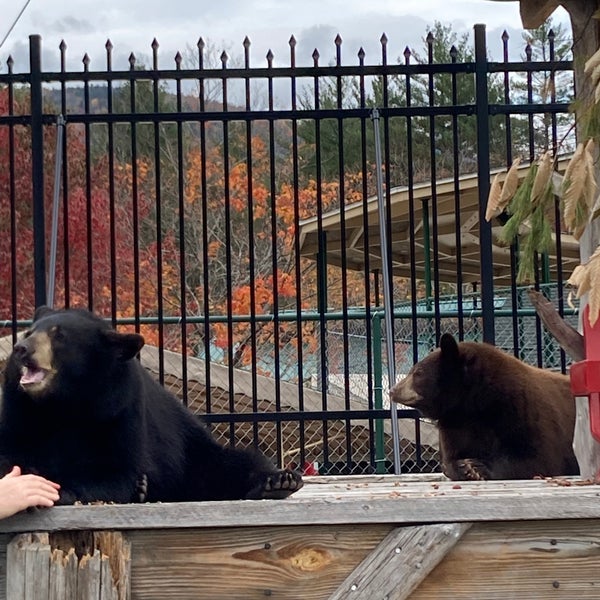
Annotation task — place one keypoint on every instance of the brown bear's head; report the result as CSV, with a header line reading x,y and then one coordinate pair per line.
x,y
431,385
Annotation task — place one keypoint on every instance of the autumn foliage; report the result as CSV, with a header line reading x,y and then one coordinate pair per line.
x,y
137,239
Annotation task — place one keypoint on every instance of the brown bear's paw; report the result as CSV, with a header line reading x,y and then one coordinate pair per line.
x,y
469,469
277,485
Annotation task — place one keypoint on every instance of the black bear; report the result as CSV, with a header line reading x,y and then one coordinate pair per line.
x,y
79,409
498,418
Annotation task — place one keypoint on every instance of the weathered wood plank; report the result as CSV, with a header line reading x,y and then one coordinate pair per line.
x,y
88,578
28,567
254,563
391,500
62,566
521,561
401,562
108,589
37,571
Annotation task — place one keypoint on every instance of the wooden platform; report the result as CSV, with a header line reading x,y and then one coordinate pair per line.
x,y
352,537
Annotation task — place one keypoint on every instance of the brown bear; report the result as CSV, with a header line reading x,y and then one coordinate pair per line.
x,y
498,418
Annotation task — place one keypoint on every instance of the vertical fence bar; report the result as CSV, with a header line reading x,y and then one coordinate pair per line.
x,y
388,301
483,180
378,393
13,208
370,359
297,259
37,169
60,126
251,242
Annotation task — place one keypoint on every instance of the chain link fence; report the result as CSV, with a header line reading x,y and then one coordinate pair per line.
x,y
271,409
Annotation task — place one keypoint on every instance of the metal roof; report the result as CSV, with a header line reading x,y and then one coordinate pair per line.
x,y
446,201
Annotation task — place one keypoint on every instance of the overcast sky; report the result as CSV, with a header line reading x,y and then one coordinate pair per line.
x,y
85,25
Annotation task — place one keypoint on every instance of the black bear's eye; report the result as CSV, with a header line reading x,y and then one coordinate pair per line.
x,y
58,334
27,333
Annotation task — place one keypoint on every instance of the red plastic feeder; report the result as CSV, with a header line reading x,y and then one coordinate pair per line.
x,y
585,375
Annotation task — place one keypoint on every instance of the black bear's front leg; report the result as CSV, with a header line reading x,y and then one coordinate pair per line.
x,y
276,485
223,473
121,491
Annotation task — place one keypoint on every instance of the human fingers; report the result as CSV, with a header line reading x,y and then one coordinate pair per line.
x,y
39,480
15,472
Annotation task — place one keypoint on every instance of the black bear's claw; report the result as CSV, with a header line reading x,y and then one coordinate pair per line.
x,y
141,488
277,485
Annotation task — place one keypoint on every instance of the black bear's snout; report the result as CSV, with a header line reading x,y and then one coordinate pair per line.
x,y
21,350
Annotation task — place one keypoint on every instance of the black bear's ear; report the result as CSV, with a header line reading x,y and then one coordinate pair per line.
x,y
126,345
41,311
449,348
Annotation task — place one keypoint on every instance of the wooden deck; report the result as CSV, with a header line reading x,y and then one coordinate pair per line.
x,y
345,537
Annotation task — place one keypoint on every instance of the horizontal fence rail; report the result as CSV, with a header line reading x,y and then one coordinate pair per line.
x,y
228,212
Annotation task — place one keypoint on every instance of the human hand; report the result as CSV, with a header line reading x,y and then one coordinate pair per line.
x,y
18,492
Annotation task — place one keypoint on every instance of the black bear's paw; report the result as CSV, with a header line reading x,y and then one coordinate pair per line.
x,y
141,489
277,485
471,469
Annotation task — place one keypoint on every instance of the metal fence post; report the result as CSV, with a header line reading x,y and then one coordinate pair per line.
x,y
388,301
483,175
37,169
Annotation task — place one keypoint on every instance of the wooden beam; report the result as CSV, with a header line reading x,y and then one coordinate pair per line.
x,y
388,499
401,562
525,559
535,12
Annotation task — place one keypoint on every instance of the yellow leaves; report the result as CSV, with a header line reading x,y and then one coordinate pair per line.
x,y
500,195
511,182
543,179
579,189
586,278
592,70
494,207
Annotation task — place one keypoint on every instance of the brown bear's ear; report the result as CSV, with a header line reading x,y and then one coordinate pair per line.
x,y
449,347
42,311
126,345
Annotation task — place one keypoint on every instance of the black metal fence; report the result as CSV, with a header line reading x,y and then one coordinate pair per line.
x,y
227,211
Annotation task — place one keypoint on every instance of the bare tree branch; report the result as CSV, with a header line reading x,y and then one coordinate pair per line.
x,y
570,340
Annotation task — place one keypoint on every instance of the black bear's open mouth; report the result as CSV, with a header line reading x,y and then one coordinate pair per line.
x,y
31,374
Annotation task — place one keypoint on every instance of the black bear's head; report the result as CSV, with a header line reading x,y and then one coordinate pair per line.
x,y
67,350
433,384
